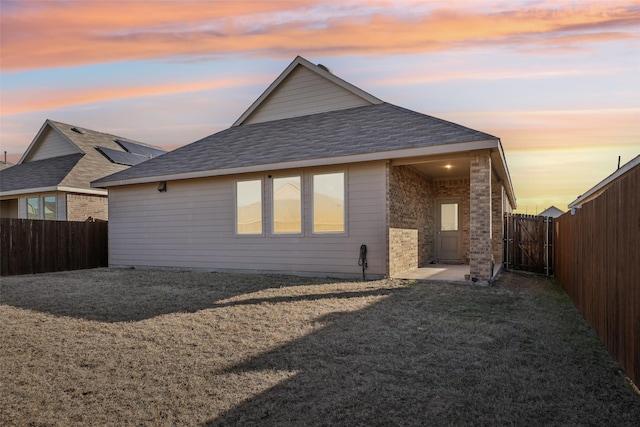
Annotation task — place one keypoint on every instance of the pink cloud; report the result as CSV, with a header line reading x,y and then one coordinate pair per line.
x,y
25,102
94,32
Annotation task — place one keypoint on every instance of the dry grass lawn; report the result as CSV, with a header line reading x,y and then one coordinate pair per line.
x,y
129,347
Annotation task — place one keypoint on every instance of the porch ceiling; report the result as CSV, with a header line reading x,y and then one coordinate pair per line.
x,y
457,165
442,166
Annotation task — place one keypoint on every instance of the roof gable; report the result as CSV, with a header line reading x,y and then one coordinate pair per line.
x,y
49,142
551,211
301,89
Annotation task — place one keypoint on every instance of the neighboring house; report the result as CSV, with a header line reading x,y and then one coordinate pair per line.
x,y
551,211
52,179
315,168
4,164
600,187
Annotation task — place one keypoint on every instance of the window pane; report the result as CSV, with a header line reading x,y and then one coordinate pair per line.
x,y
328,203
449,217
287,208
50,207
33,208
249,207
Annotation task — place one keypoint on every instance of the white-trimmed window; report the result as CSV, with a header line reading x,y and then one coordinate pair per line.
x,y
33,208
249,207
42,207
329,203
287,205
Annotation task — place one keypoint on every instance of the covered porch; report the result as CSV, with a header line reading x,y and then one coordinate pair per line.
x,y
446,215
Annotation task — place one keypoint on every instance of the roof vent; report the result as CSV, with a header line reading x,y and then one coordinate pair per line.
x,y
78,130
324,68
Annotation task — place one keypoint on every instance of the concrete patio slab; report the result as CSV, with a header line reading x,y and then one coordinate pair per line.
x,y
439,272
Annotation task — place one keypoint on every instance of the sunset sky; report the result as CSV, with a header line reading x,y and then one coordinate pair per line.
x,y
557,81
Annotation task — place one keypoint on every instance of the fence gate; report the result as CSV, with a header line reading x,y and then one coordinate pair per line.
x,y
528,243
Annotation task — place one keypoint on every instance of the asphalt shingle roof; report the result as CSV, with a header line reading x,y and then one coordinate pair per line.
x,y
362,130
75,170
38,174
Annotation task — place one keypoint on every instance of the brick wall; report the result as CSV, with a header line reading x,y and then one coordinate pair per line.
x,y
403,250
410,206
80,207
481,217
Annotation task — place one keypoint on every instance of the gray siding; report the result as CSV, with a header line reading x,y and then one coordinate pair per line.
x,y
304,92
191,226
51,145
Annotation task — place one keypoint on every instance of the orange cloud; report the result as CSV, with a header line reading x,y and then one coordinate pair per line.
x,y
25,102
40,34
554,156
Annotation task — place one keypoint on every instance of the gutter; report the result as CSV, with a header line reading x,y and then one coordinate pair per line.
x,y
21,191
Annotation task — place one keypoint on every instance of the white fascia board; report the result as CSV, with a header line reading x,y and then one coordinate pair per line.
x,y
605,182
510,193
325,161
95,192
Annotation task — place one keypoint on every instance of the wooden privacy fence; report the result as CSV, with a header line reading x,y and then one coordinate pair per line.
x,y
35,246
528,243
598,264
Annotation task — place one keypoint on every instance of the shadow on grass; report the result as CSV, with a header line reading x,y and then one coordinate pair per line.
x,y
432,354
126,295
442,355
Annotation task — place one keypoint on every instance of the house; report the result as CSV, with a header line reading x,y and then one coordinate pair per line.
x,y
52,180
551,211
4,164
312,170
600,187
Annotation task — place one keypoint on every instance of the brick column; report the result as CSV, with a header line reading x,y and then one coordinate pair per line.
x,y
480,224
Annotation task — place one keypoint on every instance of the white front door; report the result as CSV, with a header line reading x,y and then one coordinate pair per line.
x,y
448,230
